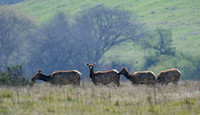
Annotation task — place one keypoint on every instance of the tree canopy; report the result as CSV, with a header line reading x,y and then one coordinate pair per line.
x,y
95,31
15,27
105,28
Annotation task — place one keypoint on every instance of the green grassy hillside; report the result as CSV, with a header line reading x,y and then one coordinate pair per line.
x,y
182,17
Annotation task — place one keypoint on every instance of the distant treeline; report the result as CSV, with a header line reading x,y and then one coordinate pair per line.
x,y
62,44
8,2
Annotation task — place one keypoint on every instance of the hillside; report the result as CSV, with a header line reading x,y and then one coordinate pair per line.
x,y
181,17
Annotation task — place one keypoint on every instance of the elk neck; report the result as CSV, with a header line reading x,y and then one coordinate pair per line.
x,y
45,78
91,73
127,75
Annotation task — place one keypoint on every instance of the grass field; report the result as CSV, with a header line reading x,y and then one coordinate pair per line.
x,y
89,99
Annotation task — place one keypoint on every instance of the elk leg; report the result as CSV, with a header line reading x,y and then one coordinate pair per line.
x,y
117,84
175,82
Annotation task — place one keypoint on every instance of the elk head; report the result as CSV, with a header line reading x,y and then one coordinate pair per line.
x,y
123,71
38,75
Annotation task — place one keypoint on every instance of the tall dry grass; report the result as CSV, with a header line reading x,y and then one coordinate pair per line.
x,y
183,98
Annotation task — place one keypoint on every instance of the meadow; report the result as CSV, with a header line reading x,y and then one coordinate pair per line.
x,y
87,98
182,18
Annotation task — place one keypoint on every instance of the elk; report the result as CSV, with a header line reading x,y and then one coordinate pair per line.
x,y
59,77
104,77
167,76
140,77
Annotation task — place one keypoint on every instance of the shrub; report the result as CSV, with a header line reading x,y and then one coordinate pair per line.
x,y
13,76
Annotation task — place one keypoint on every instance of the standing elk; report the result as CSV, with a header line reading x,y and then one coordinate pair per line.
x,y
140,77
104,77
60,77
167,76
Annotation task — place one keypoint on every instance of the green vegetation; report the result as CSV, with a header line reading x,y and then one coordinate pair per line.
x,y
160,55
71,33
15,29
89,99
180,17
65,34
13,77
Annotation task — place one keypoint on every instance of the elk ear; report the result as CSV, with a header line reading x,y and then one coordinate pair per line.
x,y
39,70
87,64
94,63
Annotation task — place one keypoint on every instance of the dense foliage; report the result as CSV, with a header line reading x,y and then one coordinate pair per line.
x,y
15,29
64,46
160,55
13,76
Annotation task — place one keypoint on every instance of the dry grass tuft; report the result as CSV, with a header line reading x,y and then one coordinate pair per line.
x,y
183,98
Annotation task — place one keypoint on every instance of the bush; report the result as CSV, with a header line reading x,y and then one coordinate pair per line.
x,y
13,77
161,55
188,65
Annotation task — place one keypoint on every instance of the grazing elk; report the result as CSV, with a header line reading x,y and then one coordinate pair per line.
x,y
167,76
104,77
60,77
141,77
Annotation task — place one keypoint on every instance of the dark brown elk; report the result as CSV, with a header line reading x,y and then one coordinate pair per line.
x,y
140,77
167,76
60,77
103,77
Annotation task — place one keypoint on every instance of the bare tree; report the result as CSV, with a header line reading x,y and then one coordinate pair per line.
x,y
101,28
161,41
14,29
50,46
69,46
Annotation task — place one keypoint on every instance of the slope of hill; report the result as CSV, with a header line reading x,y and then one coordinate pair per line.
x,y
181,17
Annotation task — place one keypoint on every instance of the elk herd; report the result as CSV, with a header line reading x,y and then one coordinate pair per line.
x,y
111,76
